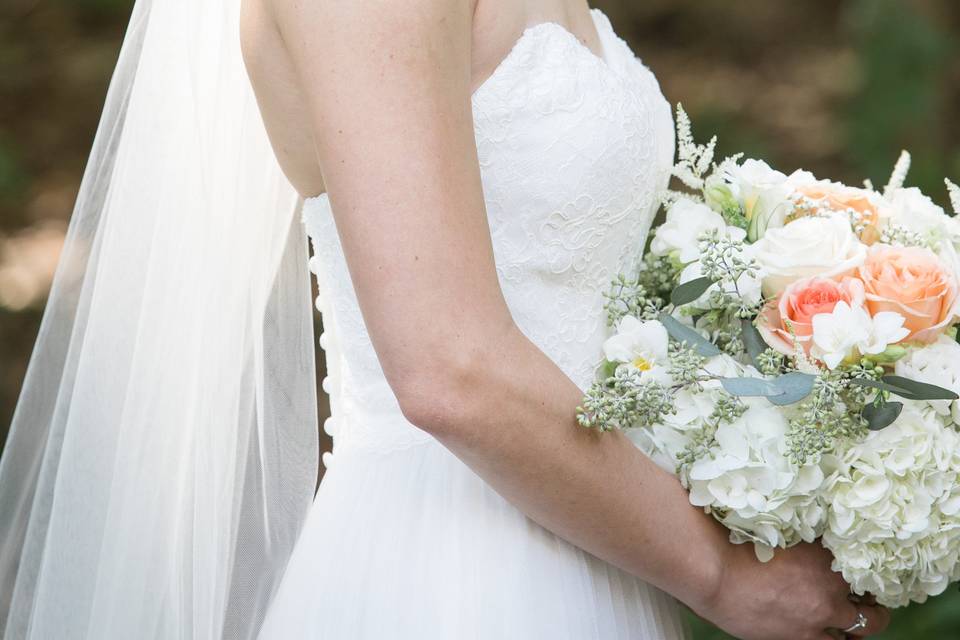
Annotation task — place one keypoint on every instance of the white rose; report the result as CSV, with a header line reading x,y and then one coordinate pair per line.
x,y
912,210
937,363
806,247
640,346
686,221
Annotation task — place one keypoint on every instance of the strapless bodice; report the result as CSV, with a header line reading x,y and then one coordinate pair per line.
x,y
574,151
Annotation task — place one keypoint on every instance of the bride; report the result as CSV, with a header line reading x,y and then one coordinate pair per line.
x,y
471,174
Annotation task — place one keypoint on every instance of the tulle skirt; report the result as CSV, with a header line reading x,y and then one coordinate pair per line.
x,y
412,545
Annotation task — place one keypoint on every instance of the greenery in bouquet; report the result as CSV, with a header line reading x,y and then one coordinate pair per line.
x,y
787,347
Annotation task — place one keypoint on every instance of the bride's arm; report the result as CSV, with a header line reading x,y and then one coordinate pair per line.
x,y
390,96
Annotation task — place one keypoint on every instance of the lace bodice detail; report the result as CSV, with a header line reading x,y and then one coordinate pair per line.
x,y
574,149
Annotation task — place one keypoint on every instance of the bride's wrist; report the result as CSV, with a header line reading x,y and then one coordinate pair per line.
x,y
708,600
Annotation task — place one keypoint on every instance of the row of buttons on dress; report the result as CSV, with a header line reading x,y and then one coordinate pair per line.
x,y
330,424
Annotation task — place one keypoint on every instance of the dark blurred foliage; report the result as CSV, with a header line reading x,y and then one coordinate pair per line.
x,y
834,86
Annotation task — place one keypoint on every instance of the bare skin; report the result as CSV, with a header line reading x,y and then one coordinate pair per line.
x,y
405,187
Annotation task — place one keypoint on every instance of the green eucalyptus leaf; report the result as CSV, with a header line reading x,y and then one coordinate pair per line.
x,y
877,384
690,291
682,333
795,386
880,416
783,390
752,340
906,388
921,390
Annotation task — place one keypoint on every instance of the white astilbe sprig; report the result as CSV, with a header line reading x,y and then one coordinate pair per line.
x,y
954,192
899,175
729,163
694,160
686,147
706,156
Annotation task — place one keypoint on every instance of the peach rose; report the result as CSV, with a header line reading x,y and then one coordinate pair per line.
x,y
792,313
841,198
913,282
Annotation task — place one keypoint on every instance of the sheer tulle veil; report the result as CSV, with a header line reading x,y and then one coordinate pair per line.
x,y
163,451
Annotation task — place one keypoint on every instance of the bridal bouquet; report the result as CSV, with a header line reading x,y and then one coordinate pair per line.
x,y
787,347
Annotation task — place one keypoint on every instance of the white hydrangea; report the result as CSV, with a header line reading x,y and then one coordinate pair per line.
x,y
746,480
937,364
894,509
753,488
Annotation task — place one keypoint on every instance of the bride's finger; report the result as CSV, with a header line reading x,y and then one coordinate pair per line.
x,y
877,619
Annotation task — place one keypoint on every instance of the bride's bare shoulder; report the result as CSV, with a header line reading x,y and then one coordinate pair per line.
x,y
288,44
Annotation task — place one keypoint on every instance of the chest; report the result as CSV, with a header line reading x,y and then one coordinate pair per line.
x,y
574,151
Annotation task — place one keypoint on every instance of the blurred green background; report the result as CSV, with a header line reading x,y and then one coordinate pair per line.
x,y
834,86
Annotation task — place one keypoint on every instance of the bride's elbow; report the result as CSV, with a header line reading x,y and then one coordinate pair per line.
x,y
441,394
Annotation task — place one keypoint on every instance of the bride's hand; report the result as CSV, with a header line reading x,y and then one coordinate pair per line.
x,y
795,596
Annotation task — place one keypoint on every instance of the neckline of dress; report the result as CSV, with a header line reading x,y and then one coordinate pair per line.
x,y
602,58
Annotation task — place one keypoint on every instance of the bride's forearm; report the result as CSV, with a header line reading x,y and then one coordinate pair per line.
x,y
510,415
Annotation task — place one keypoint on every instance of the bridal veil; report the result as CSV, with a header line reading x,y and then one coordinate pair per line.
x,y
162,454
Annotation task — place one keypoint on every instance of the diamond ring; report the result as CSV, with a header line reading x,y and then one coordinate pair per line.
x,y
859,625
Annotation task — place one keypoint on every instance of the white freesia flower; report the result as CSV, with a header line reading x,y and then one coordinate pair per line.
x,y
894,504
640,346
836,334
686,221
886,328
938,364
849,330
811,246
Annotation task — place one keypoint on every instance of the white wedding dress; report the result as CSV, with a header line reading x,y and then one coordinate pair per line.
x,y
403,540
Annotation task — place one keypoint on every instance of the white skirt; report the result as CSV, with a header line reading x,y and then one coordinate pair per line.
x,y
411,544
